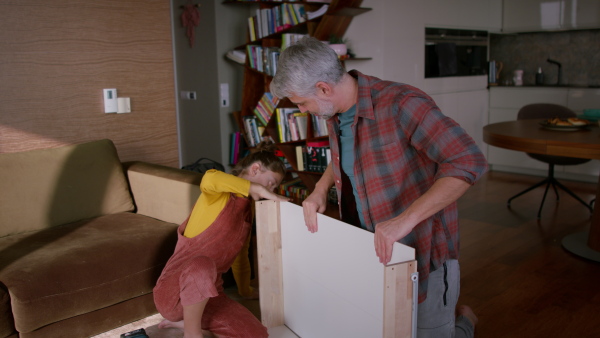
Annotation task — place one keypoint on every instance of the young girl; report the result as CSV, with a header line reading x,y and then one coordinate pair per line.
x,y
189,293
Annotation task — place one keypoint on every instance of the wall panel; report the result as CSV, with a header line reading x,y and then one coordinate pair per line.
x,y
55,59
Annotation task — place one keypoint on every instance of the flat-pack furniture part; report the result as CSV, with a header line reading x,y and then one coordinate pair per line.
x,y
330,283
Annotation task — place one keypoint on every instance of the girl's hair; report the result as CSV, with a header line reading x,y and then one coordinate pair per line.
x,y
264,153
303,64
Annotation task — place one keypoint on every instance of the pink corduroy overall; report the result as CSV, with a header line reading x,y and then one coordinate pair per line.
x,y
194,273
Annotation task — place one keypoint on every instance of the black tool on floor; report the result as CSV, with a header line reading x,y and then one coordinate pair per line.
x,y
139,333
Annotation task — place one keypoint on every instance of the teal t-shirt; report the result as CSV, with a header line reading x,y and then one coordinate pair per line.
x,y
347,154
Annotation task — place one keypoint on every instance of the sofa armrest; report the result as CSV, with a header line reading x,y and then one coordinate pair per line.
x,y
161,192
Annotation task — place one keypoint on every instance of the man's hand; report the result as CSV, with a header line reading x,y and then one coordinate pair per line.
x,y
258,192
443,192
315,202
386,233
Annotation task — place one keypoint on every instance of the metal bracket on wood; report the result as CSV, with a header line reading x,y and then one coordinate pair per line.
x,y
414,277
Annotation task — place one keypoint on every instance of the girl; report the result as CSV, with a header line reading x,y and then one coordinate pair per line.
x,y
189,292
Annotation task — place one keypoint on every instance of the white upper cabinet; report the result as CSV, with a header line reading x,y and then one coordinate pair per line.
x,y
531,15
541,15
581,14
465,14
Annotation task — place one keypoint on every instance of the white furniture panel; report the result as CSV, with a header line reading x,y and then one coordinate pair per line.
x,y
319,299
333,283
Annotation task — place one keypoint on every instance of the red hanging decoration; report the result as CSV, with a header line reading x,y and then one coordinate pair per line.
x,y
190,18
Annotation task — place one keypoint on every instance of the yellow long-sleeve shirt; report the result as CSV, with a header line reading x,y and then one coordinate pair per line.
x,y
215,188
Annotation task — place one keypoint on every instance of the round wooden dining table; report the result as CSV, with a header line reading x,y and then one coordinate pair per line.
x,y
531,137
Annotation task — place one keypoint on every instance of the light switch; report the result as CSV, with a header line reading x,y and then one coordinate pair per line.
x,y
224,95
110,100
187,95
124,105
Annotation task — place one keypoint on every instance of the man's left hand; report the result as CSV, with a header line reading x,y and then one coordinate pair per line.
x,y
386,233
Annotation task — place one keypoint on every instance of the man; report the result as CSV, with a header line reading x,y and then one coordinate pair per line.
x,y
398,165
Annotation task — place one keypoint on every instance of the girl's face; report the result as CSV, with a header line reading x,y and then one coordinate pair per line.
x,y
267,178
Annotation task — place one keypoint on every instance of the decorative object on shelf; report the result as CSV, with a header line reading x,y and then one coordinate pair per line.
x,y
190,19
237,55
494,72
319,12
539,77
338,44
518,77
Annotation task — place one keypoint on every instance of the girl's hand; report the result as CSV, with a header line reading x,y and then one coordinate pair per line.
x,y
258,192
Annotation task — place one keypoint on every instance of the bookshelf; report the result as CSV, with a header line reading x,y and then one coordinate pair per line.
x,y
334,22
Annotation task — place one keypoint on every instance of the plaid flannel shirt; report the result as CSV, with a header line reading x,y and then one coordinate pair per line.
x,y
403,144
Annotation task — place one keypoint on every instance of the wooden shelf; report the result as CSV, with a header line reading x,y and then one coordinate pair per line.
x,y
334,22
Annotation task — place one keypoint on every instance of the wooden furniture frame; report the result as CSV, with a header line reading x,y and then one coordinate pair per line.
x,y
330,283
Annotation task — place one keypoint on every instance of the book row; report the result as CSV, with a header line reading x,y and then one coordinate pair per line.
x,y
294,189
238,148
263,59
265,107
269,21
292,125
253,130
313,157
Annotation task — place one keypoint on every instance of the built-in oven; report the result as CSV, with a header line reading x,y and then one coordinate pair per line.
x,y
455,52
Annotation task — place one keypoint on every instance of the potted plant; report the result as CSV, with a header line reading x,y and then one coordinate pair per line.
x,y
338,44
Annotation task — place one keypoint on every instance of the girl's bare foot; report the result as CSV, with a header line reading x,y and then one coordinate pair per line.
x,y
467,312
166,324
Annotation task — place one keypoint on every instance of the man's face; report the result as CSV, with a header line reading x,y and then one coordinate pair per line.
x,y
319,107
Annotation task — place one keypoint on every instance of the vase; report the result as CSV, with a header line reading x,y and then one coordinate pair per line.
x,y
339,48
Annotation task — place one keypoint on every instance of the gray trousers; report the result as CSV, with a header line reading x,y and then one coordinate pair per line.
x,y
436,316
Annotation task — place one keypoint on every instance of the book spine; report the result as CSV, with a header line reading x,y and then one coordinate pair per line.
x,y
300,158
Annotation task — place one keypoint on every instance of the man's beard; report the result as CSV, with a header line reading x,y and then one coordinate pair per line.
x,y
326,110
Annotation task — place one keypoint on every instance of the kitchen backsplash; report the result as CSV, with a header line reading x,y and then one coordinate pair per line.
x,y
577,51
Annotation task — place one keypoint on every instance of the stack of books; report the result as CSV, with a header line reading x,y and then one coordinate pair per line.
x,y
291,124
265,107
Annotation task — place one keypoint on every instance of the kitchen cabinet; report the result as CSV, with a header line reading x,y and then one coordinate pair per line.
x,y
580,14
541,15
531,15
468,109
505,103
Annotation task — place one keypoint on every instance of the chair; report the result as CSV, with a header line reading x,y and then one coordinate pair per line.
x,y
541,111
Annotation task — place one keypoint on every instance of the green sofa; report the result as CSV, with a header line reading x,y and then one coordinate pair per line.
x,y
83,238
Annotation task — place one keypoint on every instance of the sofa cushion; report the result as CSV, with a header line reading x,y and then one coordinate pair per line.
x,y
7,326
48,187
58,273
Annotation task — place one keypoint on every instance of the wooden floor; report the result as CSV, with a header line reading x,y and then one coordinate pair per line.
x,y
515,275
